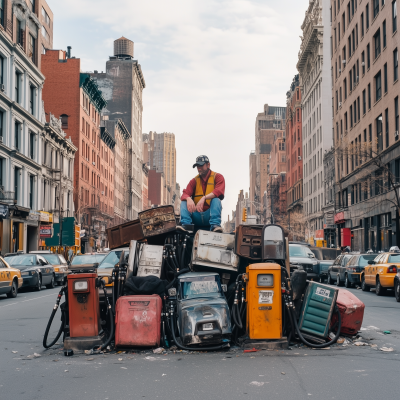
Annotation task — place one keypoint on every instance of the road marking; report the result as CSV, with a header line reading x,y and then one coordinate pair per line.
x,y
23,301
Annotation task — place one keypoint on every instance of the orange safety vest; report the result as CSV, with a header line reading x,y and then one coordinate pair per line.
x,y
199,188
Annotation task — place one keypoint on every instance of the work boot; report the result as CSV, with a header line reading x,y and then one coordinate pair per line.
x,y
217,228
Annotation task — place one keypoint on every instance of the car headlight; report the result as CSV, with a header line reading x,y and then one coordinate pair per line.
x,y
32,272
56,269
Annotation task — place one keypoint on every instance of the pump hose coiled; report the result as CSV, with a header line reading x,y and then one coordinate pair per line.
x,y
53,313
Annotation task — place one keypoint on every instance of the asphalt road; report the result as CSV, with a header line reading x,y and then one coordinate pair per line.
x,y
341,372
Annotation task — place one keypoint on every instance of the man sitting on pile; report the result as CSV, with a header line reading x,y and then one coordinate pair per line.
x,y
201,200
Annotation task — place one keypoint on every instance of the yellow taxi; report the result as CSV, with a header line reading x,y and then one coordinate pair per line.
x,y
380,272
10,279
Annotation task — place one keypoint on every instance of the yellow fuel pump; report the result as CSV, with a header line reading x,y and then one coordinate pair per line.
x,y
264,301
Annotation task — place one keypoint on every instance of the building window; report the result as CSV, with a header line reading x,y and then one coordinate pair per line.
x,y
394,16
345,88
379,133
395,65
32,145
17,84
376,8
378,86
1,69
364,100
45,16
43,49
385,78
367,16
362,24
64,121
32,99
1,123
32,49
31,183
2,12
368,56
369,96
16,135
16,183
387,126
384,33
32,5
45,34
396,116
377,43
363,62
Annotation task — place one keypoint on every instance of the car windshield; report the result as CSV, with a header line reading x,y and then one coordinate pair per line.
x,y
22,261
88,259
394,258
363,260
112,259
201,286
300,251
52,258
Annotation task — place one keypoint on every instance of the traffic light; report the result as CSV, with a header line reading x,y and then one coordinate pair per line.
x,y
244,214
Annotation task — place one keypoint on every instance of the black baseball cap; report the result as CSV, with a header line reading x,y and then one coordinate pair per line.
x,y
201,160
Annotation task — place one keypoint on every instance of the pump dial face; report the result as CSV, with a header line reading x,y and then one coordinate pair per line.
x,y
265,280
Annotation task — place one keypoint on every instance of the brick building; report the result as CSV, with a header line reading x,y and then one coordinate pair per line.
x,y
365,67
294,157
75,98
158,193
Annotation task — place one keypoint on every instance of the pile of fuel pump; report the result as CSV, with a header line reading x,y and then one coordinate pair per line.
x,y
198,290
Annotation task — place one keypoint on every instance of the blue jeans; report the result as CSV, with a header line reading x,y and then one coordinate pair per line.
x,y
211,217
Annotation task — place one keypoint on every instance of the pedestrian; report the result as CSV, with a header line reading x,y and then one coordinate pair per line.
x,y
201,200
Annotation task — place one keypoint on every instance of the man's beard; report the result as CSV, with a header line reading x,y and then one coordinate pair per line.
x,y
204,173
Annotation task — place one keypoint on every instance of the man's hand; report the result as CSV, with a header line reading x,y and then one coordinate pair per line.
x,y
190,205
200,204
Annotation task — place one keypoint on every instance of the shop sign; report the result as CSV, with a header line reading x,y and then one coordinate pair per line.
x,y
45,231
33,216
44,216
339,218
319,234
4,211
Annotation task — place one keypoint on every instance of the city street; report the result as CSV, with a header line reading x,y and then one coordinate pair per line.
x,y
341,372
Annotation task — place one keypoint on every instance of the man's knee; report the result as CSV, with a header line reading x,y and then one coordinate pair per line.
x,y
216,201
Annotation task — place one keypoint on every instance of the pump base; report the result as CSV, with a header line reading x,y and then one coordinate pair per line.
x,y
83,343
273,344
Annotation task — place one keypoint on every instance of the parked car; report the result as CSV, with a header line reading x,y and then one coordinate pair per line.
x,y
58,262
355,267
380,273
336,272
397,286
326,258
35,270
301,256
10,279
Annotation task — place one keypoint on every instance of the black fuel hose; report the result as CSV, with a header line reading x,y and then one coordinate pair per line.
x,y
317,346
53,313
111,316
219,347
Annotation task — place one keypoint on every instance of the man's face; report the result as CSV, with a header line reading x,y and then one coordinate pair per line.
x,y
203,170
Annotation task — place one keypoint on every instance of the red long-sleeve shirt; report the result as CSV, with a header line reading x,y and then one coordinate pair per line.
x,y
219,189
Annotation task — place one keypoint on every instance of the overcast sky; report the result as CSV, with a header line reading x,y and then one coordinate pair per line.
x,y
209,67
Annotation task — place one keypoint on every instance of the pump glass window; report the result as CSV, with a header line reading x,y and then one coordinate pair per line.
x,y
265,280
200,286
112,259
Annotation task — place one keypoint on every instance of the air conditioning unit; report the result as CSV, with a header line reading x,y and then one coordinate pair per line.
x,y
340,104
396,134
357,79
1,139
102,192
2,87
93,163
340,71
343,61
299,158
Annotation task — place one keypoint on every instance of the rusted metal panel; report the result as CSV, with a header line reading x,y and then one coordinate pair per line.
x,y
214,250
157,221
248,241
121,235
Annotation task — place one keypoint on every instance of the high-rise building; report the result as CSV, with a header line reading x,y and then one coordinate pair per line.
x,y
122,86
365,88
161,155
316,87
268,124
252,188
294,160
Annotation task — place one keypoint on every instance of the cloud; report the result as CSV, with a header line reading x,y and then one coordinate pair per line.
x,y
209,68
